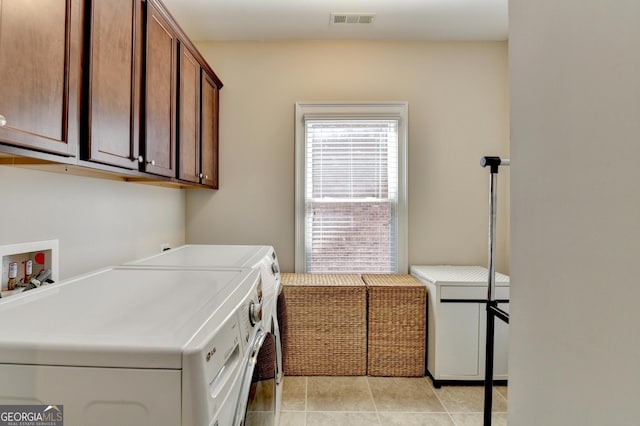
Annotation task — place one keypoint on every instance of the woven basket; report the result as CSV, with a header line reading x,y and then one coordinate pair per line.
x,y
324,330
397,325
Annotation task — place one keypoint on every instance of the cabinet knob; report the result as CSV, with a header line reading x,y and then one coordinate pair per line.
x,y
200,175
206,176
3,121
152,162
139,159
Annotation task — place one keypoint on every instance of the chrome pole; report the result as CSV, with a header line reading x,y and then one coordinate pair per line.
x,y
493,197
493,163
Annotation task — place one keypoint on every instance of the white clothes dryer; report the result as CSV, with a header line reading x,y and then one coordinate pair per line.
x,y
133,346
263,259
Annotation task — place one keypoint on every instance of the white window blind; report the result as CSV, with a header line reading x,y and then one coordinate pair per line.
x,y
351,195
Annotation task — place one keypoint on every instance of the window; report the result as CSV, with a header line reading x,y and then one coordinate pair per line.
x,y
351,188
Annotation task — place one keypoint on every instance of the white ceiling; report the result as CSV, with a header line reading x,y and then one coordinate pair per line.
x,y
309,19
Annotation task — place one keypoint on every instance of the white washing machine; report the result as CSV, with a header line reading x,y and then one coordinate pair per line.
x,y
263,259
134,346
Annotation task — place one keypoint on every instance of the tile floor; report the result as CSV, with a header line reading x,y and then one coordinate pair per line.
x,y
385,401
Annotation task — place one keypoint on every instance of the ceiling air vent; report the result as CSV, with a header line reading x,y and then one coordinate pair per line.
x,y
352,18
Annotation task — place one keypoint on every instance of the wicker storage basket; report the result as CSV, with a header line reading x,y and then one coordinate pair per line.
x,y
397,325
324,325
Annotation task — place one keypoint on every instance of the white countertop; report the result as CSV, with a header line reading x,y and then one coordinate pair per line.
x,y
457,275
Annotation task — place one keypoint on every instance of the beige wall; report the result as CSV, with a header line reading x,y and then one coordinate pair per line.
x,y
458,112
575,120
97,222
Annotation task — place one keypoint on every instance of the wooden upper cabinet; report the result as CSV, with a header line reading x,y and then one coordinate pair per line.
x,y
160,95
113,79
189,117
40,53
209,130
107,83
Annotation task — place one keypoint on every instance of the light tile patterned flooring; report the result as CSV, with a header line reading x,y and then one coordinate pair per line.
x,y
385,401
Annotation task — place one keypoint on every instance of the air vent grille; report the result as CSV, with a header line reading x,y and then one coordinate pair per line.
x,y
352,18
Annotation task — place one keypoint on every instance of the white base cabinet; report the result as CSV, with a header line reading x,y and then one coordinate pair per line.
x,y
456,319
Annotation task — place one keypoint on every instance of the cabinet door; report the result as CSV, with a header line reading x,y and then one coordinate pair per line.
x,y
458,355
189,117
209,130
40,48
501,346
113,83
160,117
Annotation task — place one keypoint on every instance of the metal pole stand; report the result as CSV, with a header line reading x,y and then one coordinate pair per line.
x,y
492,305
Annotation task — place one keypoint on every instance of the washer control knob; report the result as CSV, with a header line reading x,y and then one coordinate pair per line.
x,y
259,290
255,313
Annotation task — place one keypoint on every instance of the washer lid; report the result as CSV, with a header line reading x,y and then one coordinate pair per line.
x,y
208,256
457,275
223,256
118,317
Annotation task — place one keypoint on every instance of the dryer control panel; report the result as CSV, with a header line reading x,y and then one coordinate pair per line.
x,y
249,316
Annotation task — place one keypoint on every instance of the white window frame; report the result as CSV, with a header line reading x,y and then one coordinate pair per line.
x,y
362,110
